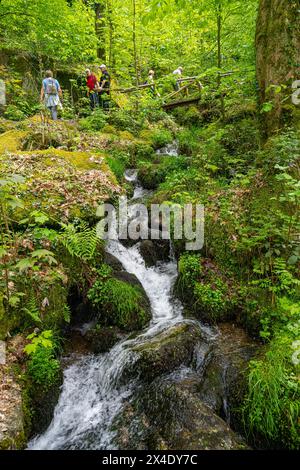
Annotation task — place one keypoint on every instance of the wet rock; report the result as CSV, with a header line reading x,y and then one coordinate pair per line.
x,y
170,416
224,378
167,350
113,262
154,250
102,339
43,403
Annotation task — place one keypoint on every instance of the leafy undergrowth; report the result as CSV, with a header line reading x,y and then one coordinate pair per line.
x,y
63,184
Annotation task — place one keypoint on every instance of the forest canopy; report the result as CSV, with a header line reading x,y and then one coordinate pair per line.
x,y
145,33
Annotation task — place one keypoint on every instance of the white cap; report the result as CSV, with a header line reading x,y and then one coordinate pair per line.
x,y
102,66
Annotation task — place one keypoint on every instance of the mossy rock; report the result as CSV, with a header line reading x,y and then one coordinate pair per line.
x,y
11,141
43,403
101,339
167,350
168,415
63,184
120,300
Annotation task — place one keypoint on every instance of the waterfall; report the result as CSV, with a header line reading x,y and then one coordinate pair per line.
x,y
93,391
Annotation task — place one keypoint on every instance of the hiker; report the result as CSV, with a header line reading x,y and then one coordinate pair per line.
x,y
150,81
178,74
93,86
104,88
51,94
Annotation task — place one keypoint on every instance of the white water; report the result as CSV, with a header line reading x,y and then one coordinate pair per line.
x,y
170,150
93,392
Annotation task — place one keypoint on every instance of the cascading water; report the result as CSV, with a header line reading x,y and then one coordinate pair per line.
x,y
93,391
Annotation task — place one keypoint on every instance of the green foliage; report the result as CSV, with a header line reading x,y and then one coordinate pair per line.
x,y
126,121
120,303
118,162
68,27
272,407
212,300
189,270
81,241
42,368
152,174
161,137
14,113
44,339
205,288
95,122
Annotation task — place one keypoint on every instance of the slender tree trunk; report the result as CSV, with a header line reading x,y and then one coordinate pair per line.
x,y
134,40
219,45
277,60
100,28
110,23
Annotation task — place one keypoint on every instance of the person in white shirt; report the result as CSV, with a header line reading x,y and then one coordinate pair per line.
x,y
178,73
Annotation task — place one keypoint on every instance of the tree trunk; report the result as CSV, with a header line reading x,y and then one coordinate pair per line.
x,y
134,40
111,28
277,60
219,44
99,28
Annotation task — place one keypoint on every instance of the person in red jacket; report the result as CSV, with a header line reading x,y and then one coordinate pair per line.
x,y
92,85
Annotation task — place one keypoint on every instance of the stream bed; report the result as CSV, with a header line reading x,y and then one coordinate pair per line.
x,y
122,398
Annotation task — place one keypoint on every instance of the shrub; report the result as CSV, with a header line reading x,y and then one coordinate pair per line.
x,y
43,368
161,137
205,288
14,113
118,302
188,141
272,406
125,121
95,122
188,116
189,270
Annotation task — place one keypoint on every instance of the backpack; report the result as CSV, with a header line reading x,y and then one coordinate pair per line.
x,y
51,87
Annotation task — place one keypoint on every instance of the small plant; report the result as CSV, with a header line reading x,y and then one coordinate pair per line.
x,y
120,303
42,368
161,137
95,122
190,269
271,409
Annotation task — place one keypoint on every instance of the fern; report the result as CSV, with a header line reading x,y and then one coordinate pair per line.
x,y
81,241
31,309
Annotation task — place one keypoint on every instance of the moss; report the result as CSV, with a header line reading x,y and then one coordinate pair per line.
x,y
17,442
4,327
126,135
11,141
118,303
61,183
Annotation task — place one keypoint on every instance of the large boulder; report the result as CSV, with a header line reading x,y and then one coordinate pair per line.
x,y
167,350
169,415
154,251
224,379
101,339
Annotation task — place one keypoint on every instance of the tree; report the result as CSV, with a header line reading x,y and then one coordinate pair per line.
x,y
99,28
277,60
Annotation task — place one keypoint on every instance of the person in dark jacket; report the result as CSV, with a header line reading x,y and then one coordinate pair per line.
x,y
104,85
